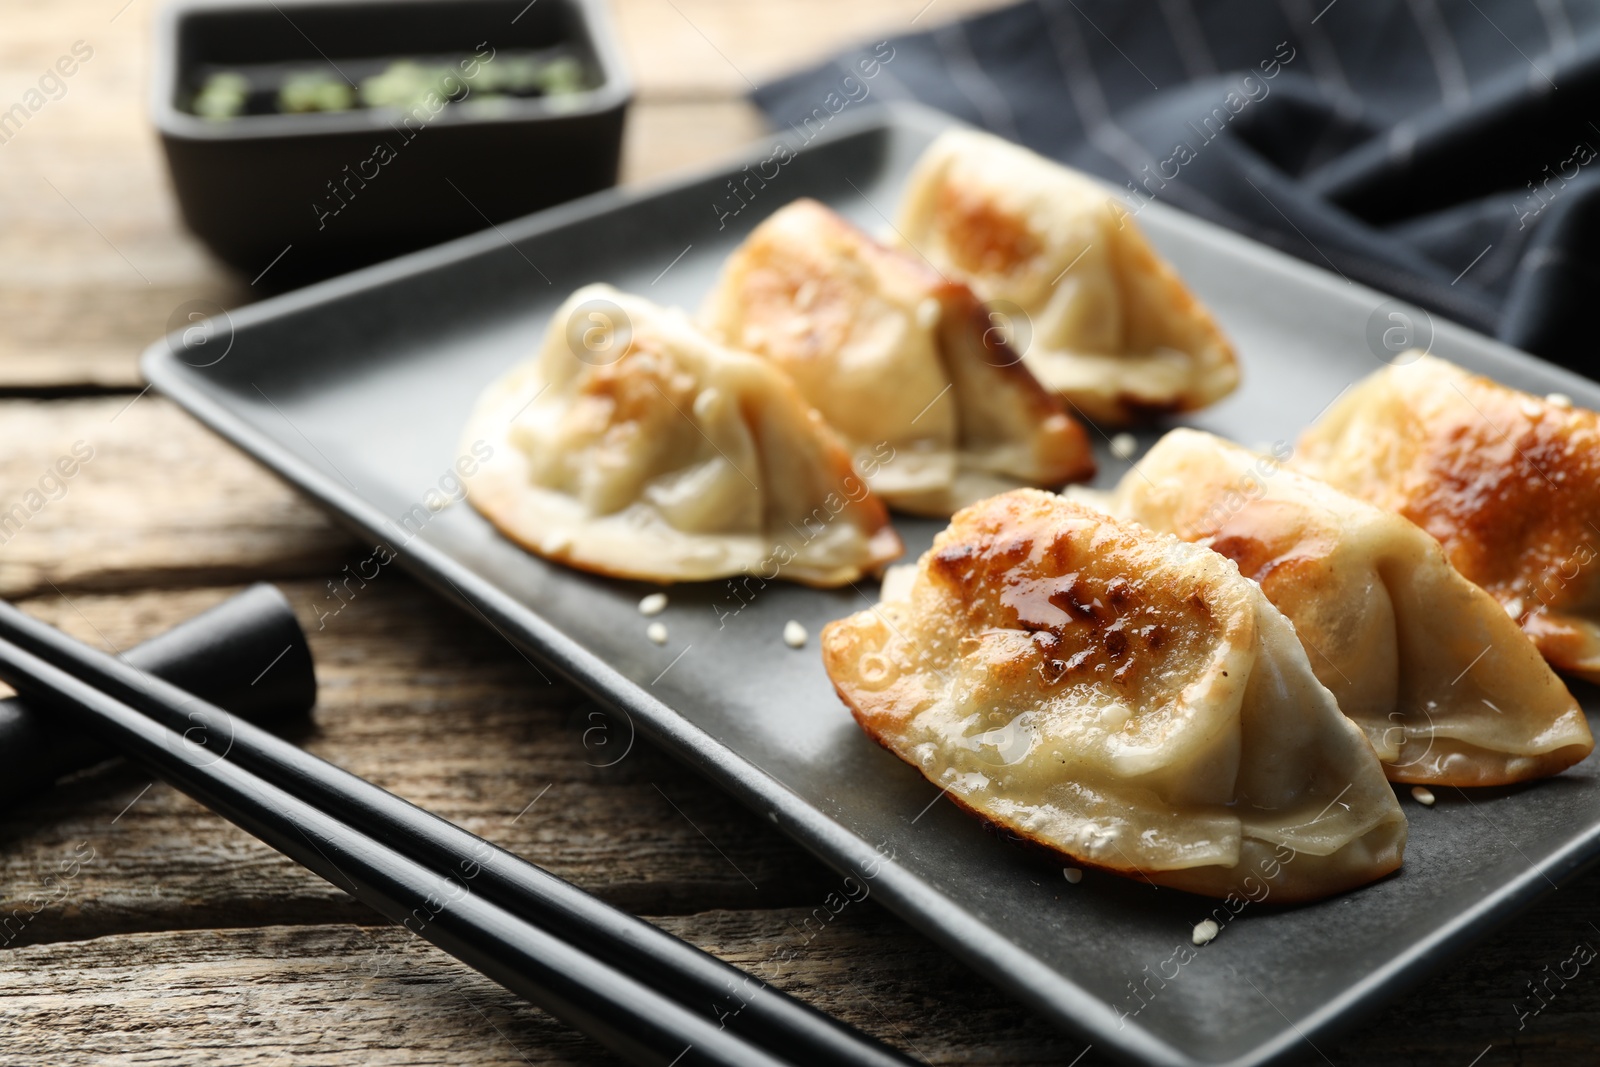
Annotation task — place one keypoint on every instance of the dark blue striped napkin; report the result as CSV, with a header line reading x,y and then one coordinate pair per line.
x,y
1445,151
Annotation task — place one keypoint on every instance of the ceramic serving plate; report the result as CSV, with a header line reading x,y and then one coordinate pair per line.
x,y
355,390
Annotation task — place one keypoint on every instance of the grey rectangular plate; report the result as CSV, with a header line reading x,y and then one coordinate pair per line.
x,y
355,390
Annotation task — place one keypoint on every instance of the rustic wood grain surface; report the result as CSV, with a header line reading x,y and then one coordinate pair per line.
x,y
183,940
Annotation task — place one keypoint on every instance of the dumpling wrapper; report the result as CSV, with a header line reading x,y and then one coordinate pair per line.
x,y
938,411
678,460
1114,329
1443,681
1121,697
1509,484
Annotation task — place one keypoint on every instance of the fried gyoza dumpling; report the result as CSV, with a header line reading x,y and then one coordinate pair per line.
x,y
937,409
1446,686
1122,697
634,446
1114,330
1509,483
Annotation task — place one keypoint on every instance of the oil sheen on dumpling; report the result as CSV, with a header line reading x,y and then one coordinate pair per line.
x,y
1122,697
1446,686
1509,483
937,409
1114,330
639,448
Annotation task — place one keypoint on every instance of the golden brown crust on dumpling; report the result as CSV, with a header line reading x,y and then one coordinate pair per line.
x,y
980,234
1507,482
678,460
900,360
1448,689
1124,699
1011,426
1114,329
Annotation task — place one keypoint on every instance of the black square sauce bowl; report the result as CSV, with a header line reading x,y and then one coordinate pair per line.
x,y
314,193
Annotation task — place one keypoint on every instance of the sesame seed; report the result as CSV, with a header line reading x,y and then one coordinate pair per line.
x,y
1560,400
657,632
794,635
1072,874
1205,931
1422,795
1124,445
654,604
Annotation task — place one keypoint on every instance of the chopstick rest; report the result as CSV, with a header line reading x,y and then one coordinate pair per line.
x,y
247,655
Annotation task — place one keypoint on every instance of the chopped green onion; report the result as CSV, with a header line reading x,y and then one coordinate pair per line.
x,y
314,91
222,96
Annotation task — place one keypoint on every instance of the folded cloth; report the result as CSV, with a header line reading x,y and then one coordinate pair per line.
x,y
1442,152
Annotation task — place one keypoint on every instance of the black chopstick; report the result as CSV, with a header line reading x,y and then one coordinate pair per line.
x,y
710,988
633,1020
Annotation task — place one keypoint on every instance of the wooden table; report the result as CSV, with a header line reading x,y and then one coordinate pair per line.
x,y
185,941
